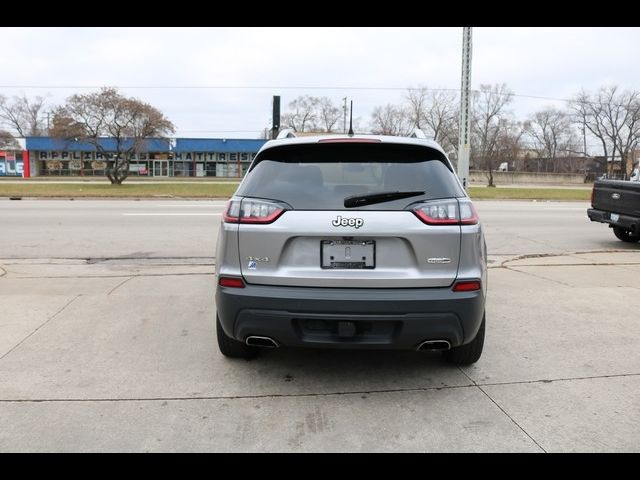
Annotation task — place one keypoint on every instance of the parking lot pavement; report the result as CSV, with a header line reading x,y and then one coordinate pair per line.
x,y
107,343
121,356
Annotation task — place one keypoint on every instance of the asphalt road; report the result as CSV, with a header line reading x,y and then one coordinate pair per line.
x,y
88,229
107,343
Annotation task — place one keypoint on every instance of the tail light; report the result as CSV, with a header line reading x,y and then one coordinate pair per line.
x,y
467,286
447,212
249,210
231,282
593,194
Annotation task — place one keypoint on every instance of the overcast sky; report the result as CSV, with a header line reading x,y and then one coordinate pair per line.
x,y
549,62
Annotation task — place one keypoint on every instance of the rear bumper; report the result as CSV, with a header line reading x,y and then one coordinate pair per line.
x,y
382,318
624,221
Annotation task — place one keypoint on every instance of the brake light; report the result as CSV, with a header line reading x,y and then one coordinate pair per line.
x,y
349,140
252,211
593,194
232,282
467,286
447,212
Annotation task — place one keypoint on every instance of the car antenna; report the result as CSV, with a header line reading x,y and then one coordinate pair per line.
x,y
351,120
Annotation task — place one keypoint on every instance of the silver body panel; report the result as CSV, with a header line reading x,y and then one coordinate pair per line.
x,y
403,245
408,252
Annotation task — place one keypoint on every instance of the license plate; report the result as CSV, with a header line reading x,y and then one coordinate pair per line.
x,y
347,254
615,217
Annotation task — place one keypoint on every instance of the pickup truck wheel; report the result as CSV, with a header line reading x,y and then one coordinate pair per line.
x,y
626,235
230,347
469,353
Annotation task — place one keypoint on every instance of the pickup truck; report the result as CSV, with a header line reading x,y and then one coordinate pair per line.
x,y
617,203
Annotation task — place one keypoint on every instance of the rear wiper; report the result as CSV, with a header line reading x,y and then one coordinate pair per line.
x,y
361,200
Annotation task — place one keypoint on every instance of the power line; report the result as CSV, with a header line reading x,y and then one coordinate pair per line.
x,y
285,87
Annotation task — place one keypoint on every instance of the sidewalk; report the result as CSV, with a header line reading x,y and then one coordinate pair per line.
x,y
128,346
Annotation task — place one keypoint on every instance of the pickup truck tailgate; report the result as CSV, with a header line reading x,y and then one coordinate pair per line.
x,y
617,196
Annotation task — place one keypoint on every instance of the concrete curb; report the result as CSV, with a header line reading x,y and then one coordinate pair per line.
x,y
505,263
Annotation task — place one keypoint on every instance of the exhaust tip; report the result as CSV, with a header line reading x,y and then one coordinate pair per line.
x,y
434,346
264,342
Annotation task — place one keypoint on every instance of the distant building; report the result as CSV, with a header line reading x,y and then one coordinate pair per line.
x,y
180,157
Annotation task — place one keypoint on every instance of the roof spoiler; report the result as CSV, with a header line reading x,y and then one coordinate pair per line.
x,y
418,133
286,133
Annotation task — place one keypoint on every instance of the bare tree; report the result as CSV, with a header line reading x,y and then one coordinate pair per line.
x,y
489,125
417,100
328,114
128,121
302,115
621,111
588,115
613,118
435,112
7,141
312,114
510,140
392,120
23,115
553,137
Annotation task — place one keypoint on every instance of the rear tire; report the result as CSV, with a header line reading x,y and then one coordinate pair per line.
x,y
626,235
231,347
469,353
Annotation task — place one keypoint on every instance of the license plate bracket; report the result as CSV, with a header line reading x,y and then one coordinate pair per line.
x,y
347,254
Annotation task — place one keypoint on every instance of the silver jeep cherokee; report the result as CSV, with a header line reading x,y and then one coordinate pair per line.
x,y
351,242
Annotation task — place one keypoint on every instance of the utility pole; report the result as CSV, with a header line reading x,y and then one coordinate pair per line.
x,y
465,110
275,122
344,108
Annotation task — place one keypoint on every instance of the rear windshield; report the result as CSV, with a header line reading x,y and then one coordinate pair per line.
x,y
319,177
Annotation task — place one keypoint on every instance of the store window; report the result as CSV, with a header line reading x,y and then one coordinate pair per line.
x,y
10,164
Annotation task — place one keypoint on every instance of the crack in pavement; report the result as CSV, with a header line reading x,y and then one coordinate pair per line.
x,y
571,265
527,256
322,394
96,260
120,276
512,269
502,410
119,285
43,324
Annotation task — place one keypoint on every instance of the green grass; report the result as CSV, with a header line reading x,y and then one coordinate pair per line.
x,y
498,193
224,190
191,190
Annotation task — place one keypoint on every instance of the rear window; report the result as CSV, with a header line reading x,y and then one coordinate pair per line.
x,y
319,177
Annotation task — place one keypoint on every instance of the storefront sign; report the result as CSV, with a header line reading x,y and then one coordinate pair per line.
x,y
11,168
64,156
213,156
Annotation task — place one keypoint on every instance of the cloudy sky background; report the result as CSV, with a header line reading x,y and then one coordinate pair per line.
x,y
377,64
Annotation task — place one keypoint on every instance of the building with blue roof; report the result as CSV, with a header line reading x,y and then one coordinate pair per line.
x,y
190,157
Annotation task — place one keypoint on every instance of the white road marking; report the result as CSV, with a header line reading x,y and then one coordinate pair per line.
x,y
208,205
170,214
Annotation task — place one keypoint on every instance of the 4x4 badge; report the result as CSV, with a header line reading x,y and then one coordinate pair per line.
x,y
438,260
347,222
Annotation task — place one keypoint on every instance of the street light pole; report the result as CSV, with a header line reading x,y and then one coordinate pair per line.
x,y
465,113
